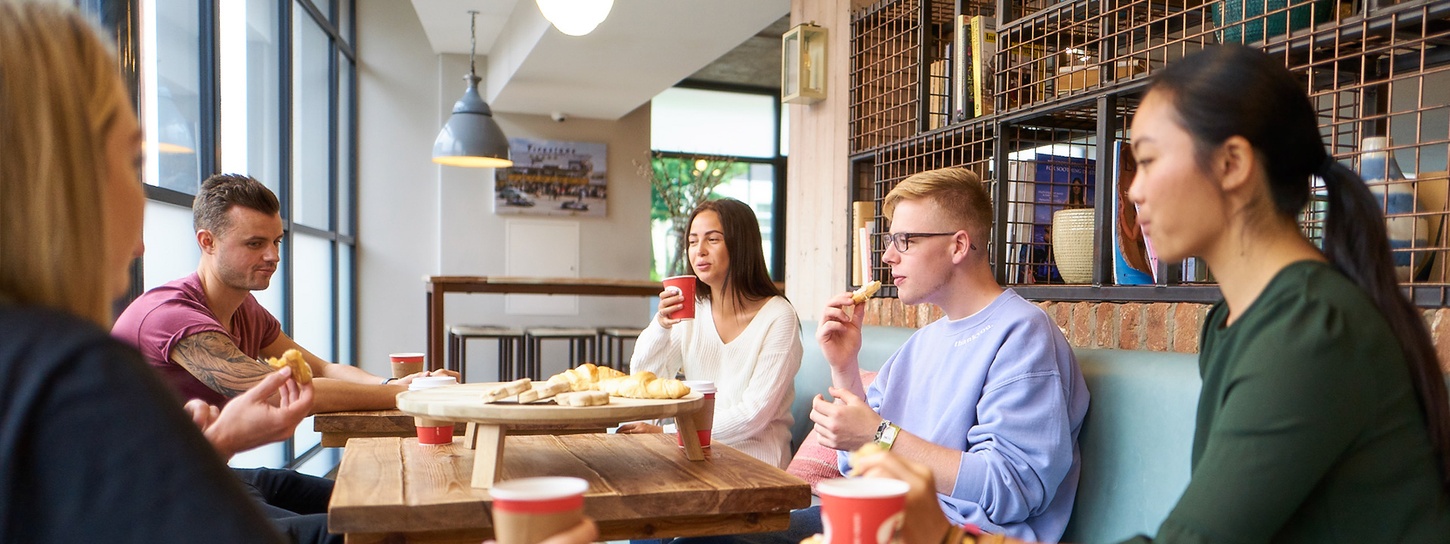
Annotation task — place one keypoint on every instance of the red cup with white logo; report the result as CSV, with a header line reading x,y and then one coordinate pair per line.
x,y
862,510
528,510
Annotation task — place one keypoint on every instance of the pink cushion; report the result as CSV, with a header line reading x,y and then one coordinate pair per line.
x,y
814,462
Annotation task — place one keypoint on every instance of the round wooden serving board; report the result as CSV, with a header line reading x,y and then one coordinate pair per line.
x,y
464,402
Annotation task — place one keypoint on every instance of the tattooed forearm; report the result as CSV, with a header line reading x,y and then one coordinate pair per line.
x,y
212,358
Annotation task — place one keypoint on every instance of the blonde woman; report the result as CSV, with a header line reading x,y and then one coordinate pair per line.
x,y
93,447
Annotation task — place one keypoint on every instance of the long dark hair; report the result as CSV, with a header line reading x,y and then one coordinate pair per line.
x,y
1233,90
747,274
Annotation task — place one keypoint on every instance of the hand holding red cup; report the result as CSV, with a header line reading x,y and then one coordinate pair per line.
x,y
685,286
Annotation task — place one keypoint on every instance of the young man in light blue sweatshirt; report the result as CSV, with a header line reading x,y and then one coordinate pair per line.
x,y
990,397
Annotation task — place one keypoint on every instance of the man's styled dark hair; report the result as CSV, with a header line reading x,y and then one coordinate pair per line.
x,y
222,191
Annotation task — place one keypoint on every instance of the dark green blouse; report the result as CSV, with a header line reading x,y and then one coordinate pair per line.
x,y
1308,425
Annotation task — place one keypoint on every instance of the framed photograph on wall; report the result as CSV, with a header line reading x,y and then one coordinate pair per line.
x,y
553,178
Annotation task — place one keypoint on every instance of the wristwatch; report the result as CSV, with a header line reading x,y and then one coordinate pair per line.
x,y
886,434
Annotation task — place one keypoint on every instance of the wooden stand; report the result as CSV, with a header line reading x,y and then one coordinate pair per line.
x,y
487,423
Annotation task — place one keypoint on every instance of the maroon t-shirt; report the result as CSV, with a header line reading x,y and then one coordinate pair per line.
x,y
156,321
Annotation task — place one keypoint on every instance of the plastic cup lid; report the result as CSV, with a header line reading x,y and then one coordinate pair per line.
x,y
429,382
406,357
700,386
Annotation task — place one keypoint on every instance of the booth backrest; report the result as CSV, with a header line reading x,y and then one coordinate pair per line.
x,y
1135,441
877,345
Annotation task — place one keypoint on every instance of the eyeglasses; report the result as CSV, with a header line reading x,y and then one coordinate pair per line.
x,y
902,240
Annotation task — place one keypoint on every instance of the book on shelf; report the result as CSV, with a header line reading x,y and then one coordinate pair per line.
x,y
1019,221
1131,265
962,108
939,107
1059,182
983,31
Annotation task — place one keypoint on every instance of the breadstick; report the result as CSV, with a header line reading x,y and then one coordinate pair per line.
x,y
504,391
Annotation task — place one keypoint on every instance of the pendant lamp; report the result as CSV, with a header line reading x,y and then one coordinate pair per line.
x,y
575,17
471,138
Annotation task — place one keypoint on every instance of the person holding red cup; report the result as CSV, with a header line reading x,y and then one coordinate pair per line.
x,y
744,336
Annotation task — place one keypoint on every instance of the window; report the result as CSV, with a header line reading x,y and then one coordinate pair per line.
x,y
213,97
735,130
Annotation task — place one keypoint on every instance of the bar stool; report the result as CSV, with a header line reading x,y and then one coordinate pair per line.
x,y
583,344
510,346
611,346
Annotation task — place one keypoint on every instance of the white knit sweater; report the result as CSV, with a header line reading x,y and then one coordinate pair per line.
x,y
754,374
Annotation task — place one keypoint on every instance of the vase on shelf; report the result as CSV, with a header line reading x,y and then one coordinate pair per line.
x,y
1396,197
1072,244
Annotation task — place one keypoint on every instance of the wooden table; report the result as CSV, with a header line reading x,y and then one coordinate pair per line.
x,y
640,486
338,427
438,286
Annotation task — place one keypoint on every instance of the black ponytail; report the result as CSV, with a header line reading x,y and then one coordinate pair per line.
x,y
1356,241
1233,90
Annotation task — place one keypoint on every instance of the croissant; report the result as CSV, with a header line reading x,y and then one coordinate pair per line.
x,y
645,385
585,377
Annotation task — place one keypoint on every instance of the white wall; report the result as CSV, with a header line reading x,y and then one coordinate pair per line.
x,y
409,207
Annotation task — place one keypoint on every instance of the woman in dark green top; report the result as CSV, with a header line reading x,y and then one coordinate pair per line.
x,y
1322,416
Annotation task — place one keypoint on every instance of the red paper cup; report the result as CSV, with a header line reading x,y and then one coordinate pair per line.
x,y
528,510
704,418
431,431
685,285
862,510
406,363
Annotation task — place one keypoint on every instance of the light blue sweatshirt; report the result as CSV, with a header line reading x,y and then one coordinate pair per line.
x,y
1003,387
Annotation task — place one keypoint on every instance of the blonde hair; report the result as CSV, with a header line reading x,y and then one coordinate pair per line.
x,y
958,193
59,94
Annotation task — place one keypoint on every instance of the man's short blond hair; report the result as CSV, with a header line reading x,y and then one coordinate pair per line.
x,y
958,192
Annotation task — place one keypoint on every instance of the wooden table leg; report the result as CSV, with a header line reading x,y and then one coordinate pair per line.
x,y
685,425
434,309
488,454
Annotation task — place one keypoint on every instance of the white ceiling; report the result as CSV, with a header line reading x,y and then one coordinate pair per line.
x,y
643,48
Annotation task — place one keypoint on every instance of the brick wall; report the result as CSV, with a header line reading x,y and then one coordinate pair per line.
x,y
1156,326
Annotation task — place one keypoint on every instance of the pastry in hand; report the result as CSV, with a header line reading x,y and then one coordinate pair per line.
x,y
541,391
864,293
582,398
301,372
645,385
869,449
503,391
817,538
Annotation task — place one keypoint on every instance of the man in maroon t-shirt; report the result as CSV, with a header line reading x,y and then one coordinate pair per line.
x,y
179,326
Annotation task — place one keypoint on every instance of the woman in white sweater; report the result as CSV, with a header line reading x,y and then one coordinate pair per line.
x,y
745,336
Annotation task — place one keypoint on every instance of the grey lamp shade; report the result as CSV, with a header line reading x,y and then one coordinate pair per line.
x,y
471,138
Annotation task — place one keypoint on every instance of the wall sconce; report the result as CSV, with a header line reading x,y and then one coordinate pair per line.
x,y
803,64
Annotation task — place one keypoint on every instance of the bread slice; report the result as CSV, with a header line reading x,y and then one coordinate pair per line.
x,y
503,391
864,293
541,391
582,398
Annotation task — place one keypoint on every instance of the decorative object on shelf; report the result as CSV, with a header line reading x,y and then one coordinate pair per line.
x,y
803,64
553,178
1243,21
1072,244
1396,197
575,17
471,138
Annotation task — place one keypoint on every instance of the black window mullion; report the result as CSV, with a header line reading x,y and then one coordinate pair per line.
x,y
208,29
